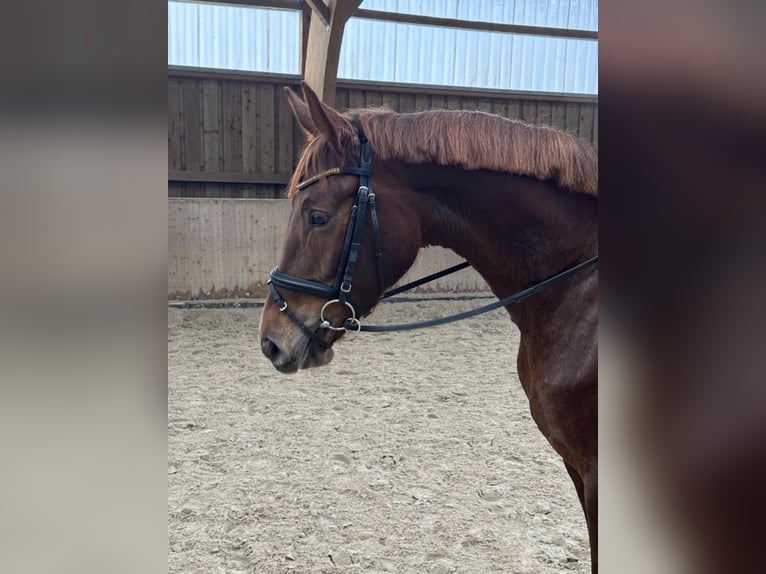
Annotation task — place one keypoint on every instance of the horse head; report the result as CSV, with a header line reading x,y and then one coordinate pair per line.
x,y
349,236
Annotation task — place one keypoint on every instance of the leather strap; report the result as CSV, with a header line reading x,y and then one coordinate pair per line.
x,y
356,243
282,305
378,245
427,279
515,298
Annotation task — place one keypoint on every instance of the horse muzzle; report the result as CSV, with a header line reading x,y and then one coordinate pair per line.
x,y
290,355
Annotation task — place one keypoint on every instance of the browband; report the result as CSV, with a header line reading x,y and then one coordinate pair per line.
x,y
317,177
334,171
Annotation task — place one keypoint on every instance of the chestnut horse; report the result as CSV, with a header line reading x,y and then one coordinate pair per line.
x,y
518,202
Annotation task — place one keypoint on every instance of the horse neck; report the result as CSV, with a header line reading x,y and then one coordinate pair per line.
x,y
515,231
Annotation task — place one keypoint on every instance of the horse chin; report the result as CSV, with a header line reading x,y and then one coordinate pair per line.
x,y
316,356
302,352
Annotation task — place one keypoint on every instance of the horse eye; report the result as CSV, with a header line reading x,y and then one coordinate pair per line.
x,y
318,219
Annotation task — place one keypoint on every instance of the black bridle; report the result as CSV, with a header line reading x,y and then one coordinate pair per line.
x,y
339,293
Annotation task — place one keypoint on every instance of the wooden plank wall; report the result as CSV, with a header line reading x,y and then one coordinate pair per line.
x,y
234,136
226,248
229,138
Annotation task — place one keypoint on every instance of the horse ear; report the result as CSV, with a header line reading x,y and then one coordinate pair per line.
x,y
301,111
329,123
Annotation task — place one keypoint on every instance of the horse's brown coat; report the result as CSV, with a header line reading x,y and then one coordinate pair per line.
x,y
496,192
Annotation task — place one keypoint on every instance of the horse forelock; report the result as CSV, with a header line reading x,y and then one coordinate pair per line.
x,y
317,156
307,165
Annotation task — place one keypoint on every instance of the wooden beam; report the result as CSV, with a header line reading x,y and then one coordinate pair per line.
x,y
239,76
306,12
447,91
211,177
320,8
294,80
475,25
323,49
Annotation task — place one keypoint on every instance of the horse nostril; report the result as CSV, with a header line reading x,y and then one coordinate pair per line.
x,y
270,349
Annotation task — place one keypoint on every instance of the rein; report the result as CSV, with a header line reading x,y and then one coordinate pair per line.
x,y
340,292
515,298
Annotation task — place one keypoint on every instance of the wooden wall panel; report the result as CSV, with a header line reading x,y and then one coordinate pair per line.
x,y
484,105
341,100
286,154
529,111
356,99
558,115
240,129
191,125
543,114
422,102
226,248
500,107
211,127
406,103
233,138
572,122
585,128
438,102
231,111
595,127
265,124
390,100
175,117
249,106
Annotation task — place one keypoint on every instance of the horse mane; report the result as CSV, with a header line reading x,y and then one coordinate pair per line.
x,y
474,140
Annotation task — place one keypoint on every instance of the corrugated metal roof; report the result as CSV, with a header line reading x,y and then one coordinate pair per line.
x,y
233,38
573,14
242,38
